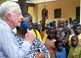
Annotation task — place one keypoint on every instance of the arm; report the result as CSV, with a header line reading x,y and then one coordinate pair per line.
x,y
9,46
40,55
43,32
57,56
42,24
44,12
67,35
39,27
67,39
43,48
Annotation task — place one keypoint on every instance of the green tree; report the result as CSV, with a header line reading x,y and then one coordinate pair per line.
x,y
22,3
1,1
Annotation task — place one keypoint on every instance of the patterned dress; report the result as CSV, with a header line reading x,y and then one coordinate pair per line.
x,y
35,47
74,53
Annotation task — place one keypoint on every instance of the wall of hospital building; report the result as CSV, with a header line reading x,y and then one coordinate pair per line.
x,y
31,11
68,9
80,11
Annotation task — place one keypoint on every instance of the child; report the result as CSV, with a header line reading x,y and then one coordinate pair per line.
x,y
61,51
58,35
61,23
51,34
74,22
77,31
52,24
75,50
49,42
66,23
65,29
62,32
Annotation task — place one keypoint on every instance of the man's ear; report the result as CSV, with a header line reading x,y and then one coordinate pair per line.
x,y
8,16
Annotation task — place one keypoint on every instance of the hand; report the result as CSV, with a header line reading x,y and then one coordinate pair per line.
x,y
44,11
68,31
30,37
40,55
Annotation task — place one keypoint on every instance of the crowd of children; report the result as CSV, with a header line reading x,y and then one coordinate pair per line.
x,y
66,44
62,41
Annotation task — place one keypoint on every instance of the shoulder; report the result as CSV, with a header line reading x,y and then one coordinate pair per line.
x,y
57,55
57,52
64,48
4,29
79,48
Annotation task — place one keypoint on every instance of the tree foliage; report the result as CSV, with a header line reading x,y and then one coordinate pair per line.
x,y
1,1
22,3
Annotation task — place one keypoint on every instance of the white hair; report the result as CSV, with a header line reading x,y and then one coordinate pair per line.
x,y
7,7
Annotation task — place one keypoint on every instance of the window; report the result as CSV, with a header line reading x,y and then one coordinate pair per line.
x,y
78,13
57,13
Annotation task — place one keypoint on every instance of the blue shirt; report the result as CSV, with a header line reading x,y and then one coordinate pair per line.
x,y
63,34
36,45
9,47
61,54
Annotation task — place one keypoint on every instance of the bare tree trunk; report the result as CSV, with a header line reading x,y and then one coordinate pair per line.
x,y
23,5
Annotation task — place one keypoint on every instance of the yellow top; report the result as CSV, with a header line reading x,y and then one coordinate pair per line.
x,y
38,34
43,35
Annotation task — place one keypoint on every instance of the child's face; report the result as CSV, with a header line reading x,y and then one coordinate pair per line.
x,y
78,30
66,24
54,26
75,22
60,46
61,24
65,30
74,42
51,34
58,35
35,25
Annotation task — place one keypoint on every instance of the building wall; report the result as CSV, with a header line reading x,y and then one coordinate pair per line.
x,y
68,9
31,11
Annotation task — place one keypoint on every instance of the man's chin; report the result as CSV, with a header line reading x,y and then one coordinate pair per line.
x,y
18,25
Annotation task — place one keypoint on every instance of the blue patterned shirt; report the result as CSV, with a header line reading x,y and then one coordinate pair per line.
x,y
35,47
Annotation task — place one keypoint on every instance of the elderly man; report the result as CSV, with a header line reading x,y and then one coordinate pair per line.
x,y
11,17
